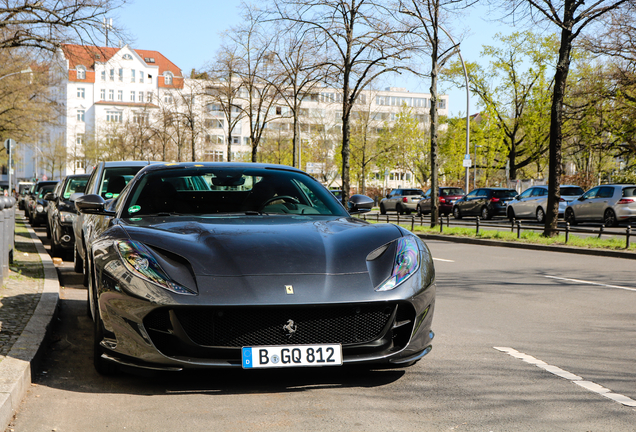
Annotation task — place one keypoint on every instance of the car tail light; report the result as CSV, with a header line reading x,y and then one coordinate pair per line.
x,y
625,201
561,199
442,200
494,199
405,199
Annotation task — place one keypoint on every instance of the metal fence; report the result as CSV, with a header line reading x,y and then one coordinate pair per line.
x,y
513,225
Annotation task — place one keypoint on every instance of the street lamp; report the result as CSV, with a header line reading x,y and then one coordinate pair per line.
x,y
27,70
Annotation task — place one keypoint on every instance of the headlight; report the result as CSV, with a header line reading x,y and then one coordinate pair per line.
x,y
138,260
67,217
39,208
407,262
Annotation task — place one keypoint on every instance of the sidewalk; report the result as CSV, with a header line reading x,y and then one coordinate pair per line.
x,y
28,301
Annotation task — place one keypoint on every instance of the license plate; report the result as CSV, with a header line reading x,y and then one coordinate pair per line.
x,y
291,356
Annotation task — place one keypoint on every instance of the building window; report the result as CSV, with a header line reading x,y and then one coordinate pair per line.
x,y
121,74
113,116
213,123
104,75
236,140
132,75
120,95
441,103
167,98
149,97
132,96
167,78
81,73
81,93
112,74
140,118
127,57
102,94
111,95
79,140
149,79
141,76
80,115
79,164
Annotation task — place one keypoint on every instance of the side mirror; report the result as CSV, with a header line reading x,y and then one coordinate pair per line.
x,y
50,196
360,204
92,204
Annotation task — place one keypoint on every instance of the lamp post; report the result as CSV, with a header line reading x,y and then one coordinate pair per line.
x,y
27,70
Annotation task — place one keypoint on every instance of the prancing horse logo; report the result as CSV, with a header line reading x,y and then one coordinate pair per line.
x,y
290,328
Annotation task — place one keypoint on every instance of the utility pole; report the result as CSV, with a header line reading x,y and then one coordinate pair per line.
x,y
108,24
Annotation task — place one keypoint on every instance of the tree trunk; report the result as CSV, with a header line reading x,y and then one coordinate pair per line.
x,y
556,118
434,141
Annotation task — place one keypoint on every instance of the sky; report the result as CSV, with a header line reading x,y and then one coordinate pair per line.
x,y
190,32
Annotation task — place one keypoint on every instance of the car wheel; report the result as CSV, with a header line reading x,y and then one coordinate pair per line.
x,y
540,215
78,263
485,213
609,218
456,213
569,216
382,209
399,209
419,211
511,214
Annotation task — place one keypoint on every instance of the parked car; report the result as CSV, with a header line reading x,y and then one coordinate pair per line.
x,y
337,193
447,196
260,268
533,202
23,189
106,180
401,200
610,204
35,204
484,202
61,213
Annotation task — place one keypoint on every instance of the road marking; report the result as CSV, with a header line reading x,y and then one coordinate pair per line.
x,y
443,260
591,283
588,385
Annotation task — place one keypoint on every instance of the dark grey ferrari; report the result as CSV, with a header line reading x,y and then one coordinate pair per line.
x,y
212,265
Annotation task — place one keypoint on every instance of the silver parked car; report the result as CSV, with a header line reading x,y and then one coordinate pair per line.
x,y
532,202
610,204
401,200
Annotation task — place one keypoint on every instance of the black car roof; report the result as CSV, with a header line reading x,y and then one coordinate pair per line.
x,y
185,165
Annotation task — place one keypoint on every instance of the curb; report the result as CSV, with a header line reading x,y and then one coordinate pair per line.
x,y
531,246
16,368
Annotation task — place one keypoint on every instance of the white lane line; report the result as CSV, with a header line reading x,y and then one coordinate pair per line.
x,y
588,385
443,260
591,283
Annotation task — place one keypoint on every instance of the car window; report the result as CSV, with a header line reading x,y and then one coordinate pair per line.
x,y
629,191
605,192
412,192
473,194
74,185
509,193
115,179
452,192
46,189
571,191
427,194
251,191
526,193
591,193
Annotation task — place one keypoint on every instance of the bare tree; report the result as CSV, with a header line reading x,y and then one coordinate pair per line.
x,y
45,24
571,17
363,41
428,16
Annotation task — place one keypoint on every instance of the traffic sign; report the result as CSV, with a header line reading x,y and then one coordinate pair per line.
x,y
9,143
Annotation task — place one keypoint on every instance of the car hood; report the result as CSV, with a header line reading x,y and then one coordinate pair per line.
x,y
264,245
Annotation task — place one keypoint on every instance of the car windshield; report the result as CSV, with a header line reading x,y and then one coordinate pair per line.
x,y
222,190
571,191
504,193
75,185
451,192
115,179
412,192
45,189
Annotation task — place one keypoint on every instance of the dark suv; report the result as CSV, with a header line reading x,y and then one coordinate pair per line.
x,y
484,202
447,196
62,213
401,200
35,204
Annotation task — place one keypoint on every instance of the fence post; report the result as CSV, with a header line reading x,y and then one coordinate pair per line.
x,y
512,225
448,221
387,218
477,225
377,217
600,232
441,226
567,232
627,235
412,223
518,229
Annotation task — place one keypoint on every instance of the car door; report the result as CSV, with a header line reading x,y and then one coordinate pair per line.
x,y
393,199
425,202
468,206
521,206
583,206
598,205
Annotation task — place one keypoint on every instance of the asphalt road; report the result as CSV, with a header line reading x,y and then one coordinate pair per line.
x,y
488,297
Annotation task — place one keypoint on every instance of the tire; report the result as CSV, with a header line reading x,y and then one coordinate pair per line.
x,y
457,214
609,218
399,209
569,216
540,215
382,209
78,262
419,211
485,213
511,214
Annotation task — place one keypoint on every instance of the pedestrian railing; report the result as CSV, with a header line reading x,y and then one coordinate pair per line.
x,y
515,225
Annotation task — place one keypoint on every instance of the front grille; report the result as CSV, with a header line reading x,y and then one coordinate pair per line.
x,y
237,327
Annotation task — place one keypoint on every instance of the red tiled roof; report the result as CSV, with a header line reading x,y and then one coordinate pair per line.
x,y
87,56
